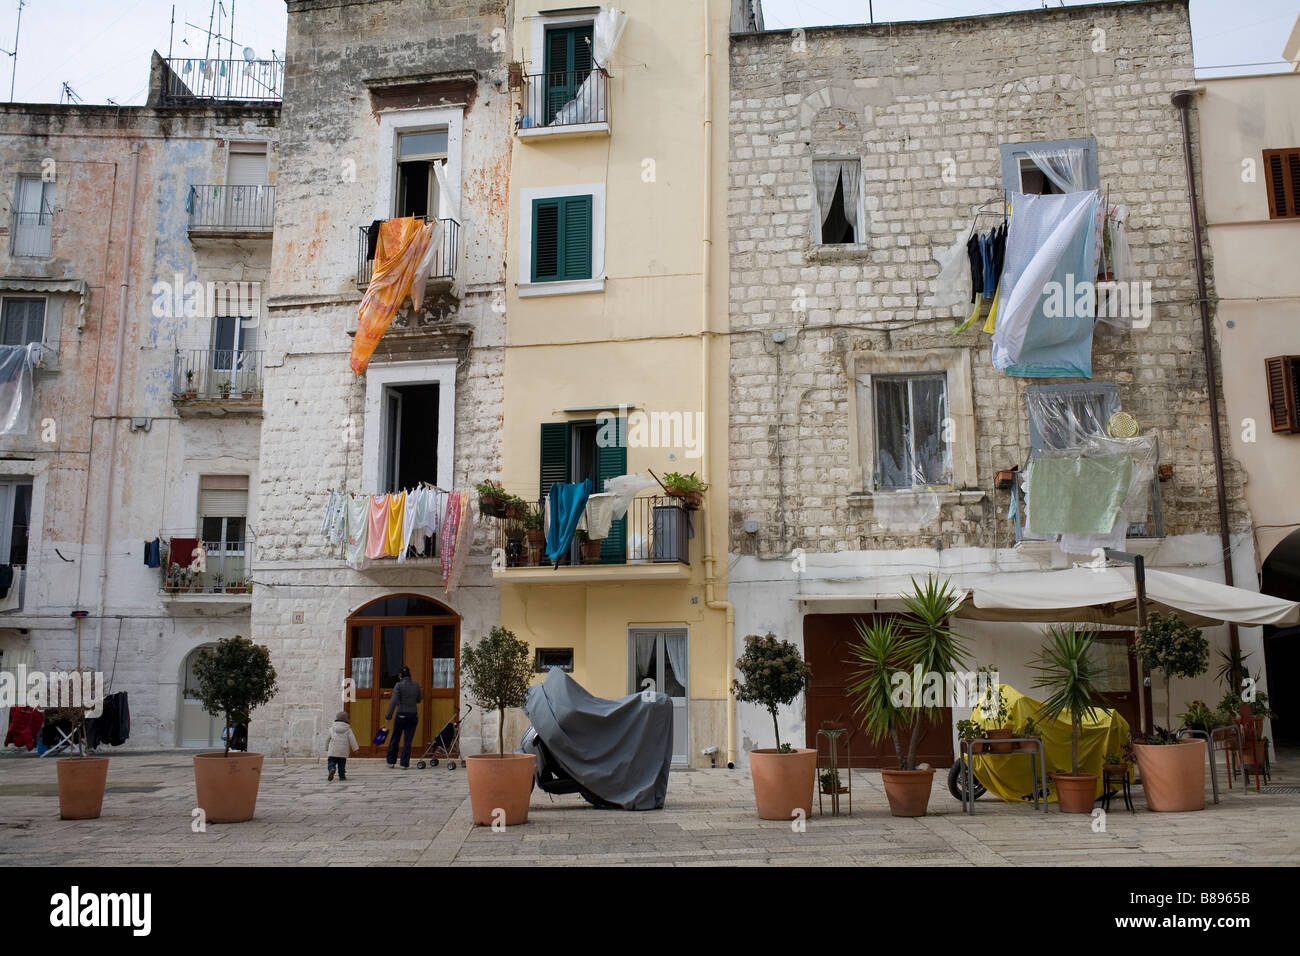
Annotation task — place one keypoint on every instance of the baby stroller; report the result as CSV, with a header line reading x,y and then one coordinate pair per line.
x,y
445,746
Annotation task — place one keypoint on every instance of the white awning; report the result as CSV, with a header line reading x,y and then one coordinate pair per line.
x,y
1109,596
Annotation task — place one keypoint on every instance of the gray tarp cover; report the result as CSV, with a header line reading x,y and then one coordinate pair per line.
x,y
620,750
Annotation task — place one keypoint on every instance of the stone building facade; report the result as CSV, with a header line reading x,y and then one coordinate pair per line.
x,y
925,109
366,83
104,242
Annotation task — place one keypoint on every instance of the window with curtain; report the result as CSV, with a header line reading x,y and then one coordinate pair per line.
x,y
911,444
1049,167
837,185
22,321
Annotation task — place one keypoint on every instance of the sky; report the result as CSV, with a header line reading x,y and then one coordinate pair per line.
x,y
100,48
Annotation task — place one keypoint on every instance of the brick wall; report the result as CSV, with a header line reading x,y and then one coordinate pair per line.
x,y
910,100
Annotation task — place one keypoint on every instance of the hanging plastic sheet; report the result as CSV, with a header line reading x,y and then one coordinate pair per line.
x,y
950,285
401,246
588,105
1064,417
1051,240
16,364
625,488
1074,494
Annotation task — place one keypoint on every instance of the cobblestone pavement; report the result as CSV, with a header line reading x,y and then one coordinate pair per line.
x,y
421,817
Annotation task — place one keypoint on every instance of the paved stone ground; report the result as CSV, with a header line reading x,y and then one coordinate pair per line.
x,y
393,817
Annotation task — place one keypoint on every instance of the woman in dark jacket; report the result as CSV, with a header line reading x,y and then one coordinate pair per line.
x,y
406,704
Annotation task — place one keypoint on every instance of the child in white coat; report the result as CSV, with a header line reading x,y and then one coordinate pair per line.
x,y
340,743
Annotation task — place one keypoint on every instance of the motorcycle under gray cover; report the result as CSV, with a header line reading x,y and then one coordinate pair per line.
x,y
620,750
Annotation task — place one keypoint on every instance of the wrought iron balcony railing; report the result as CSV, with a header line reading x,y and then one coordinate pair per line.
x,y
192,80
444,256
214,208
226,565
218,375
656,530
32,232
559,99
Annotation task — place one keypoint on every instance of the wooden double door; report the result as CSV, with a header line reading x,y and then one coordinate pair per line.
x,y
378,647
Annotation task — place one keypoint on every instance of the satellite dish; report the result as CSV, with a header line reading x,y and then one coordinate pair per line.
x,y
249,54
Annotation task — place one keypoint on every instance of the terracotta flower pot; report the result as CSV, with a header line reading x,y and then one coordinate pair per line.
x,y
1076,794
500,782
1002,733
1173,776
590,551
908,791
1028,746
226,785
81,787
783,783
536,538
978,747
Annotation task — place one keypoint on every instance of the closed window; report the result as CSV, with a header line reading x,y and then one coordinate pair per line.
x,y
568,64
912,441
562,238
1282,176
22,321
837,185
15,520
223,525
33,217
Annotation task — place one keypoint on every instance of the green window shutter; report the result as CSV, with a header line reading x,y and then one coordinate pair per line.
x,y
577,237
555,455
546,240
610,463
568,63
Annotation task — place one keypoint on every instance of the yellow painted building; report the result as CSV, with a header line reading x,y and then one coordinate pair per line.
x,y
616,320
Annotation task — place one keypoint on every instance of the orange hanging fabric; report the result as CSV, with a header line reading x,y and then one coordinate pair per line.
x,y
398,251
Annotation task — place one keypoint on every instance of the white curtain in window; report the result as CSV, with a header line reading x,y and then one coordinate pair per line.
x,y
645,651
607,30
450,197
1064,168
675,648
362,672
444,672
826,175
850,174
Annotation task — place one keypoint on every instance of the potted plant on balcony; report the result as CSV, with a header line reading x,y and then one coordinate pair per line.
x,y
771,674
516,508
224,387
972,731
82,778
688,489
589,549
190,390
492,499
994,715
218,582
1071,677
535,531
1030,729
1172,770
829,780
918,642
514,534
234,678
497,673
237,586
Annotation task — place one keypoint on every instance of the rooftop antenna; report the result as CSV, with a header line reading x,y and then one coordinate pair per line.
x,y
13,73
68,94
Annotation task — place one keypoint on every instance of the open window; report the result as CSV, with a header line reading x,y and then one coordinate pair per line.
x,y
410,450
837,185
234,358
419,152
15,520
223,528
1049,166
571,452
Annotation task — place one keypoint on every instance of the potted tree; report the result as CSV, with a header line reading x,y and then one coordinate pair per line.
x,y
920,639
82,778
234,678
497,673
1172,770
1071,677
995,717
771,674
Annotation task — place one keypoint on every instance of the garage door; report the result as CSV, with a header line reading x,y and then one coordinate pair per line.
x,y
827,641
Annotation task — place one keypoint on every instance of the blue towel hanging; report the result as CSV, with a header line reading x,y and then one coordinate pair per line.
x,y
568,502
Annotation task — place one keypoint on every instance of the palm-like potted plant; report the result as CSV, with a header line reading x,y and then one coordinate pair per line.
x,y
772,674
1172,770
234,678
891,648
497,673
1071,677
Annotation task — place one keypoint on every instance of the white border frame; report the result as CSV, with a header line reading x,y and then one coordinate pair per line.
x,y
440,372
392,122
597,281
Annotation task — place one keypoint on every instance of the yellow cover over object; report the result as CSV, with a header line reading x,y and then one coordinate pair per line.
x,y
398,251
1010,777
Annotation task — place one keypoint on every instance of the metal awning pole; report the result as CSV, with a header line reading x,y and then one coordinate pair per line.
x,y
1140,586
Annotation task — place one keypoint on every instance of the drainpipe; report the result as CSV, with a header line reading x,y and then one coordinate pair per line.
x,y
706,338
123,302
1182,100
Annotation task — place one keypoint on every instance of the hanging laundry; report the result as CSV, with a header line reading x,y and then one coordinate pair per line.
x,y
357,530
401,246
413,519
1077,495
459,554
24,727
599,515
447,535
437,506
378,534
976,260
948,285
394,542
332,524
568,501
991,322
153,553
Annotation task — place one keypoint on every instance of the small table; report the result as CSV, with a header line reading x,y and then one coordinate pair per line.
x,y
1209,737
1107,793
1038,766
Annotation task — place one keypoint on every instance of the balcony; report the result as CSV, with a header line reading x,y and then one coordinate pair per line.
x,y
565,104
197,82
32,233
652,543
443,271
231,211
217,382
226,577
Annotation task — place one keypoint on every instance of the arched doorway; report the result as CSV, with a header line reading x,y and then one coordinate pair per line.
x,y
384,635
196,728
1281,578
